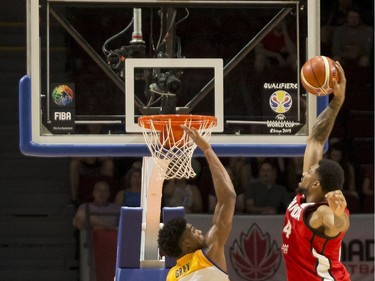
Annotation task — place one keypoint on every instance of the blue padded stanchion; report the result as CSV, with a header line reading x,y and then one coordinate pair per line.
x,y
129,238
129,242
142,274
168,214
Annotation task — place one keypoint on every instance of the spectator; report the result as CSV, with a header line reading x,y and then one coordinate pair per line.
x,y
264,196
368,188
352,42
100,214
276,48
240,201
178,192
241,169
85,172
277,162
336,152
130,193
294,170
205,184
335,17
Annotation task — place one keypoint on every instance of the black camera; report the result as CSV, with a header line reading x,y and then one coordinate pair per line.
x,y
168,82
116,58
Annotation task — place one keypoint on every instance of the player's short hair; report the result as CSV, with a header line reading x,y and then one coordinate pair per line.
x,y
331,175
169,237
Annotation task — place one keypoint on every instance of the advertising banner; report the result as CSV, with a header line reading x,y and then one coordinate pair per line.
x,y
253,249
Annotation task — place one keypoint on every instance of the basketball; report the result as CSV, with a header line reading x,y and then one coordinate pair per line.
x,y
317,74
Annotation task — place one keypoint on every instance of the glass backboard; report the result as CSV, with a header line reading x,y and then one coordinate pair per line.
x,y
94,67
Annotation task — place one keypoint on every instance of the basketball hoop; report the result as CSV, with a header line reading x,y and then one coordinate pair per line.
x,y
170,146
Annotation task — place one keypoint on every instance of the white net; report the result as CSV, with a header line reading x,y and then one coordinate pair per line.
x,y
167,141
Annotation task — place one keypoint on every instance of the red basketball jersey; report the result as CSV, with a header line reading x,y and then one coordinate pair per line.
x,y
308,255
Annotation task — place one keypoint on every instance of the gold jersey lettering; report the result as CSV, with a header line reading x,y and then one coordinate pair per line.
x,y
182,270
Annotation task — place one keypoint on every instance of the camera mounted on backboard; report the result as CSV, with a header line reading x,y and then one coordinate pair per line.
x,y
116,58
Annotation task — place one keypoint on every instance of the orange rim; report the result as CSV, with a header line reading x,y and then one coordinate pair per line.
x,y
176,120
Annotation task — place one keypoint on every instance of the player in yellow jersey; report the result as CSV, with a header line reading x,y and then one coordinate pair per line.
x,y
201,257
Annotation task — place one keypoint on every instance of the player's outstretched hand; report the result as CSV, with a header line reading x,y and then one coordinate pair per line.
x,y
339,88
337,202
197,138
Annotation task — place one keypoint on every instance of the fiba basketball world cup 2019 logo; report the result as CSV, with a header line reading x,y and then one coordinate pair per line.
x,y
62,95
280,101
254,256
282,108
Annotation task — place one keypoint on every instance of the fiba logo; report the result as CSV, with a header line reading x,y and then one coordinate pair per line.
x,y
280,117
280,101
62,95
64,116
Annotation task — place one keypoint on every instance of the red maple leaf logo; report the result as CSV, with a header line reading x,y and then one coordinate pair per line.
x,y
254,256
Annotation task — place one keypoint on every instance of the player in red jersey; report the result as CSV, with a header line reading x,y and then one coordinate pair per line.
x,y
316,220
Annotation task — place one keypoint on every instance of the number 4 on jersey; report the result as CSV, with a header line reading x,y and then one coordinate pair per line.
x,y
287,229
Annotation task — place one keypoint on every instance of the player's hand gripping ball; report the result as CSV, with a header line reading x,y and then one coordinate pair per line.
x,y
317,74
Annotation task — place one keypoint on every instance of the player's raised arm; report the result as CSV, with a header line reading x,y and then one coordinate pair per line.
x,y
324,123
225,193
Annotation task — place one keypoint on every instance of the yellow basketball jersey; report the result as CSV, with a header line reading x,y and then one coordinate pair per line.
x,y
196,266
